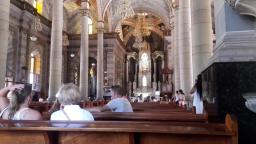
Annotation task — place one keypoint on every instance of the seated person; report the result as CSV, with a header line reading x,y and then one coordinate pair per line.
x,y
118,103
14,103
55,106
176,97
181,98
36,96
69,98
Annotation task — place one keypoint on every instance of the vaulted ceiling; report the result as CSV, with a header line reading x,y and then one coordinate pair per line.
x,y
159,14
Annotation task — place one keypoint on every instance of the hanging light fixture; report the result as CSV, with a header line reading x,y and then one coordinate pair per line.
x,y
141,30
124,9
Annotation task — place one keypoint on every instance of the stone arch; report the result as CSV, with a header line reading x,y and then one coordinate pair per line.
x,y
163,13
35,69
138,9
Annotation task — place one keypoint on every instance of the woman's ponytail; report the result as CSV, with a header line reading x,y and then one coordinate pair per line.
x,y
14,105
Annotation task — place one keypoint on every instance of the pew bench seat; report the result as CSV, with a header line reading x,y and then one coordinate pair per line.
x,y
117,132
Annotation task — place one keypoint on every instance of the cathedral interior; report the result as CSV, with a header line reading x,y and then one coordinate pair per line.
x,y
149,47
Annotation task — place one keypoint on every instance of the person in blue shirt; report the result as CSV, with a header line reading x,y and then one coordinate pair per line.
x,y
118,103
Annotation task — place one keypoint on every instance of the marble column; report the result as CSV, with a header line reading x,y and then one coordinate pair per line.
x,y
4,33
100,62
162,67
84,50
135,75
163,62
127,70
154,75
185,50
202,42
176,50
55,76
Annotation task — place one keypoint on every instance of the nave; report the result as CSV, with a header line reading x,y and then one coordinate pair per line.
x,y
152,49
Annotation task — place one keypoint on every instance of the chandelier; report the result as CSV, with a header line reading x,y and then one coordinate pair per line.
x,y
124,9
141,30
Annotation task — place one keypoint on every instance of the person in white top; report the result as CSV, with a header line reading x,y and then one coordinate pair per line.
x,y
118,103
196,91
14,103
176,97
182,98
69,98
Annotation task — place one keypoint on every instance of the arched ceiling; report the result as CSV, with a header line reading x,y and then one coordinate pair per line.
x,y
159,13
72,8
160,9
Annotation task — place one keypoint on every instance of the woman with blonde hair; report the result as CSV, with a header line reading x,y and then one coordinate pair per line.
x,y
69,98
14,103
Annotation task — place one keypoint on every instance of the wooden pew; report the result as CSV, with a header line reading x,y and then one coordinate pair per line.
x,y
150,106
148,116
153,114
149,112
156,106
11,134
113,132
144,116
41,107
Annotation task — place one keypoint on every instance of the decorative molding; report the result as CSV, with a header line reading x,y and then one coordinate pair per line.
x,y
175,5
23,5
157,54
85,12
100,26
235,47
244,7
84,8
172,21
231,3
133,55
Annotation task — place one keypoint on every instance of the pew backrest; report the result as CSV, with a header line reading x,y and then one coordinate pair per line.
x,y
113,132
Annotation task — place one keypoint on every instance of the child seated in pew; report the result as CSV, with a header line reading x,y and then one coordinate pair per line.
x,y
176,97
69,98
181,98
14,103
118,103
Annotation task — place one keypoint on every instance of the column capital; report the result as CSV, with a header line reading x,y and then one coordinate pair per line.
x,y
175,5
157,54
100,26
84,12
85,7
172,19
133,55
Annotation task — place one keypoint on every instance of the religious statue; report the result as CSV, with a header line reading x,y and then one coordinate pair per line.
x,y
144,62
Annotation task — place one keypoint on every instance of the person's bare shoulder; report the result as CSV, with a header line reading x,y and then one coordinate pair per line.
x,y
33,115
